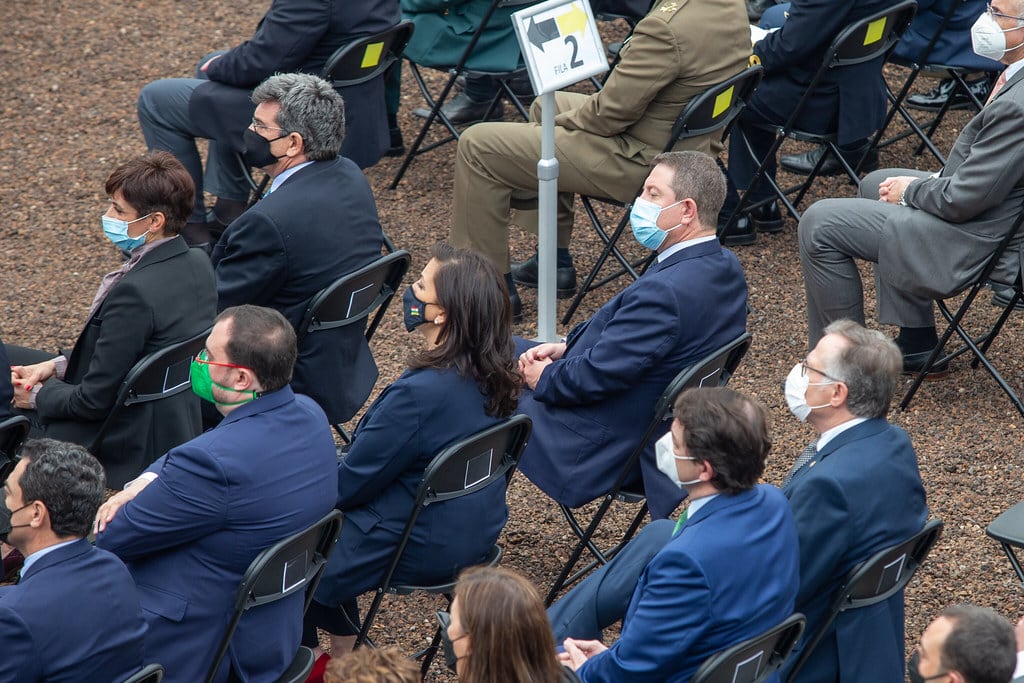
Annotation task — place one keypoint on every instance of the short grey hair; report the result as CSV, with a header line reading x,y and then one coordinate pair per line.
x,y
697,177
311,107
869,366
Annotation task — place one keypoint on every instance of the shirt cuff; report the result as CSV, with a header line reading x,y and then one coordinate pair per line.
x,y
143,478
60,364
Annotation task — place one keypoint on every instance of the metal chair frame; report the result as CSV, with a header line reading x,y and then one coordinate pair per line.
x,y
151,673
13,432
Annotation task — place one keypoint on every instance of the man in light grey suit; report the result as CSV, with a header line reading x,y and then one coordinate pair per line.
x,y
928,234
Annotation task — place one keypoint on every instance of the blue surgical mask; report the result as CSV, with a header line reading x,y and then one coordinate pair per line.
x,y
644,220
116,231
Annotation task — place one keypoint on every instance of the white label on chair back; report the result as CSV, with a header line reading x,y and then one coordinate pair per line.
x,y
352,301
748,669
479,468
294,573
177,375
560,43
891,573
714,373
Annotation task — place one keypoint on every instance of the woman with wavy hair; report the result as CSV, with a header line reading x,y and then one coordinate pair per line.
x,y
462,381
499,631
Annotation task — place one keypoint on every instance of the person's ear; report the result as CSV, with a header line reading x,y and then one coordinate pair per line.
x,y
440,318
158,221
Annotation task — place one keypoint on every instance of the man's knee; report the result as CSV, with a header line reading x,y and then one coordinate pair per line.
x,y
868,188
809,227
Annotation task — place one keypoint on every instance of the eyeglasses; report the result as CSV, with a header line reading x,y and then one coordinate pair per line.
x,y
993,13
804,367
201,357
257,126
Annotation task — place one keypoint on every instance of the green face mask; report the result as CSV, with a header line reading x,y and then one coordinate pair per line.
x,y
202,383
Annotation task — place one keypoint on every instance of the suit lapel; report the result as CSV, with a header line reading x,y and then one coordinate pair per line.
x,y
1010,83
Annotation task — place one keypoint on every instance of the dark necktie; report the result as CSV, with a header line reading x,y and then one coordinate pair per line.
x,y
804,458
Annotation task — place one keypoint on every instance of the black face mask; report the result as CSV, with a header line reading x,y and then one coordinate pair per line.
x,y
447,644
5,520
257,149
413,310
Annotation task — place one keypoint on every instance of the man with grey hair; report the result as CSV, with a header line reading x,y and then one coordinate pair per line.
x,y
317,223
965,644
854,491
74,616
294,35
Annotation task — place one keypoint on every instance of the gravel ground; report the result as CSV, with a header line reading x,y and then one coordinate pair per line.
x,y
70,118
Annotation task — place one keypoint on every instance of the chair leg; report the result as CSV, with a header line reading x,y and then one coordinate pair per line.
x,y
342,433
435,105
1012,556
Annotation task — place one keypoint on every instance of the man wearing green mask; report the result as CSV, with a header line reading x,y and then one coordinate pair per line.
x,y
191,524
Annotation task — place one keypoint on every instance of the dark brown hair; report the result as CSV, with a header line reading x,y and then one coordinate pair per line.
x,y
476,338
510,638
727,429
262,340
156,182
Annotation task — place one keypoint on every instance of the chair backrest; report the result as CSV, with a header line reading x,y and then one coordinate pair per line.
x,y
13,432
353,297
291,565
151,673
874,580
716,108
367,57
157,376
465,467
755,659
873,36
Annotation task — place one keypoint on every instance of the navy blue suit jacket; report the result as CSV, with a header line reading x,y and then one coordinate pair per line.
x,y
298,35
850,100
73,617
591,407
861,493
730,574
320,224
267,471
953,47
412,421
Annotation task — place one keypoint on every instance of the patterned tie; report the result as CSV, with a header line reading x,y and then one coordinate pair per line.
x,y
804,458
1000,82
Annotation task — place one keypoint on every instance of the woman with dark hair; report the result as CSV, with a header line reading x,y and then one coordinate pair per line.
x,y
162,294
499,630
463,381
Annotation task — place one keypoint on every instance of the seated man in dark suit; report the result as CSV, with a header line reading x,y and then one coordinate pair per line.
x,y
967,644
294,35
849,101
592,396
75,614
687,592
318,223
189,526
929,235
854,491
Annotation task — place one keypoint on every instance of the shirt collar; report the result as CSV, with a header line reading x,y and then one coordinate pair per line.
x,y
698,503
286,174
830,434
1012,69
683,245
34,557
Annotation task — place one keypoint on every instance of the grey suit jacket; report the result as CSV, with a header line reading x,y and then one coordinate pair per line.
x,y
966,210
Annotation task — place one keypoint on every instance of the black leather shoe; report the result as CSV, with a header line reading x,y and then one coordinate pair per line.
x,y
767,218
937,96
525,274
460,109
741,234
755,8
1001,297
914,362
803,164
396,146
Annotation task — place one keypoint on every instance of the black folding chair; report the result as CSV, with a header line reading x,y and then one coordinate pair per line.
x,y
461,469
865,40
13,432
713,110
351,299
874,580
753,660
1008,530
921,65
1008,246
291,565
714,370
151,673
354,62
501,78
159,375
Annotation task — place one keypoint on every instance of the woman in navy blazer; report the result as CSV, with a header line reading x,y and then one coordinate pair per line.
x,y
464,380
